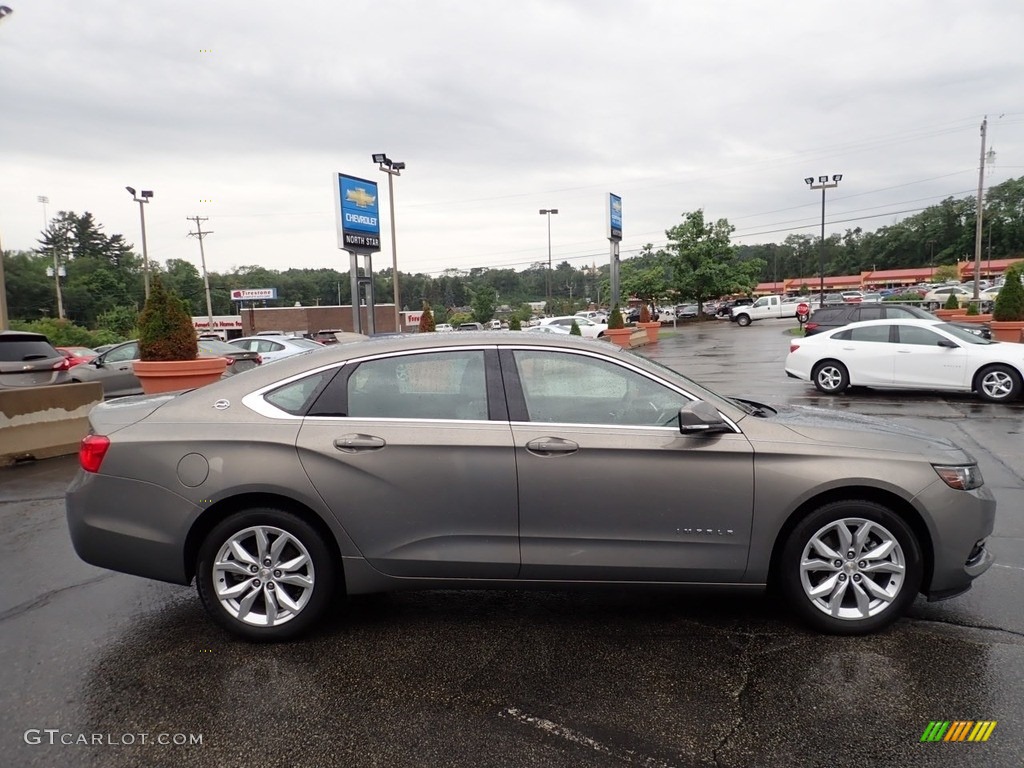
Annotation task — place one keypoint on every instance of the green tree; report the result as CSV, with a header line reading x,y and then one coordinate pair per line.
x,y
165,327
483,306
704,260
574,329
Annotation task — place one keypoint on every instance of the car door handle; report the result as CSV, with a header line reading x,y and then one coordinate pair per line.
x,y
903,351
355,443
546,446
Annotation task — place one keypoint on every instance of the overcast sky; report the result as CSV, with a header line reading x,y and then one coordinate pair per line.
x,y
242,112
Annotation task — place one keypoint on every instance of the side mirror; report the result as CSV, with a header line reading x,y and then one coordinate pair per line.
x,y
948,343
699,417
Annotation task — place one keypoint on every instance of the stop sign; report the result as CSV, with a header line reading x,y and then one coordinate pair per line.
x,y
802,308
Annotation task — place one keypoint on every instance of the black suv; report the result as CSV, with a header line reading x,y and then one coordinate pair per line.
x,y
832,317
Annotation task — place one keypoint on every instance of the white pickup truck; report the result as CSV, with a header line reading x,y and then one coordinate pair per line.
x,y
768,306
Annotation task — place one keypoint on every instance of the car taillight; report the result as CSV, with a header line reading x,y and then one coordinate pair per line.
x,y
63,365
810,327
793,346
259,360
91,452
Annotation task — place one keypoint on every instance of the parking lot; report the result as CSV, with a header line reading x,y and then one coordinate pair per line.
x,y
103,668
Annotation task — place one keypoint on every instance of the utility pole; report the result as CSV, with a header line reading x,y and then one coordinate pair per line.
x,y
978,226
202,255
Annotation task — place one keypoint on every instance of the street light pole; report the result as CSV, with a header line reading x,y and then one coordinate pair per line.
x,y
392,169
141,199
547,212
823,184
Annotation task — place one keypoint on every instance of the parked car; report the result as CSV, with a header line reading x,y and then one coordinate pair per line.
x,y
556,329
724,307
828,318
114,370
588,328
271,348
77,355
594,314
428,461
941,295
852,297
685,311
908,354
443,328
29,360
470,327
832,298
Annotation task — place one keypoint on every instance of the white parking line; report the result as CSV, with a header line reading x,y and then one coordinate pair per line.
x,y
1012,567
564,732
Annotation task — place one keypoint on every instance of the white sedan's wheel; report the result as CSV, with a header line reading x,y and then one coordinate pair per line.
x,y
265,574
830,377
851,567
998,384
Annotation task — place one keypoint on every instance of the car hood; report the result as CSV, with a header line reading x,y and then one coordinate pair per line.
x,y
854,430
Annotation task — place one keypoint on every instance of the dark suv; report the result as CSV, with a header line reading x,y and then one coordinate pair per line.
x,y
832,317
29,360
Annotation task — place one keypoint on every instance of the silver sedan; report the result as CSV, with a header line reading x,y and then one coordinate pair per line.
x,y
482,460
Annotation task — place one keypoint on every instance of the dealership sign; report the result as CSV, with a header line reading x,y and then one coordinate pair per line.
x,y
357,213
614,217
253,294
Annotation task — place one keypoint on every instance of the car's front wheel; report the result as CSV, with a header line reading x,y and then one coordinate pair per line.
x,y
265,574
830,377
998,384
743,320
851,567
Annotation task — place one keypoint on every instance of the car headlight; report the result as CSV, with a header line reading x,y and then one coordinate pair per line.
x,y
962,478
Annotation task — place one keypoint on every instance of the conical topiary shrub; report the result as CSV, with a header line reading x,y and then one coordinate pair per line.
x,y
165,328
1009,304
953,302
615,319
427,319
574,329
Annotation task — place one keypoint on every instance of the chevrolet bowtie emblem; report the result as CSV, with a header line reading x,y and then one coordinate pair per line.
x,y
360,197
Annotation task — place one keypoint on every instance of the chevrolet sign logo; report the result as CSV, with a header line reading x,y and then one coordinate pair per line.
x,y
360,197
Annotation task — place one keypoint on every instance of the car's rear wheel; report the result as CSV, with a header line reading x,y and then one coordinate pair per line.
x,y
998,384
830,377
265,574
851,567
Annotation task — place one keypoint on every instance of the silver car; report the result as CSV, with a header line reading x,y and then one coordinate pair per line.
x,y
481,460
29,360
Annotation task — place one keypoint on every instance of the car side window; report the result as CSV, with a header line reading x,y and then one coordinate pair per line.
x,y
562,387
869,313
295,397
909,334
436,385
121,354
873,333
899,312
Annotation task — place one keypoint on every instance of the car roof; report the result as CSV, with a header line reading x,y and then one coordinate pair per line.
x,y
22,336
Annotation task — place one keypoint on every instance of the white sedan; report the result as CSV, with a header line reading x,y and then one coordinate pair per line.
x,y
273,348
588,328
908,354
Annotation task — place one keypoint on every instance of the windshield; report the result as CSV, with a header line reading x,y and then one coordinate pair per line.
x,y
965,336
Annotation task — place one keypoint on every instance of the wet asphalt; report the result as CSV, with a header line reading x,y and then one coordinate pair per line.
x,y
100,668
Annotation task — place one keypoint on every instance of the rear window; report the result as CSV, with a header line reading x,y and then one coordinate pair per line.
x,y
26,349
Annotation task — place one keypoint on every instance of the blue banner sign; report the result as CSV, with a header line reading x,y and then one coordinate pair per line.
x,y
614,217
357,214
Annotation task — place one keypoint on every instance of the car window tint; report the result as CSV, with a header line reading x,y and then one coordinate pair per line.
x,y
22,350
909,334
869,313
874,333
577,389
296,397
438,385
121,354
899,312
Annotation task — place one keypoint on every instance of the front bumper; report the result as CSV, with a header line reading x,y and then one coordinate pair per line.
x,y
960,523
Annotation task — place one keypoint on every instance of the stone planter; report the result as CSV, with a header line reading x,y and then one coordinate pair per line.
x,y
1007,330
619,336
949,314
975,319
158,376
652,329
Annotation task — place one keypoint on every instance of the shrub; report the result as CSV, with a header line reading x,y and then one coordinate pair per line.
x,y
645,314
514,323
574,330
1010,301
972,309
427,319
953,302
165,327
615,318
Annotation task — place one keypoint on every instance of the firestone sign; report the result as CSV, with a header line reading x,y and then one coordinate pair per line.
x,y
253,294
